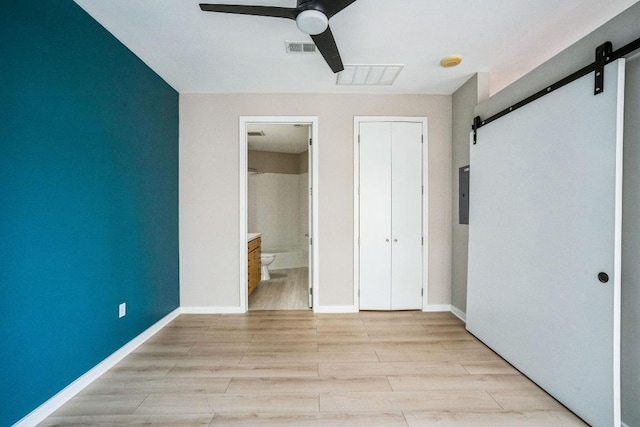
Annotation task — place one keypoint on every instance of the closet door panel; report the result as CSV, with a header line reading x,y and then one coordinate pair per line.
x,y
406,216
375,216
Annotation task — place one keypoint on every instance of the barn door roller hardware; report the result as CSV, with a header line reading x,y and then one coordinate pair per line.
x,y
604,55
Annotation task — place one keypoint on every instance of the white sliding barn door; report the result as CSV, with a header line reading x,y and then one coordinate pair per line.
x,y
390,186
545,228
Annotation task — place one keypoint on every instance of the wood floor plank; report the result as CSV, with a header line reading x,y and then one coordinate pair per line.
x,y
488,367
492,419
252,347
288,289
308,385
377,419
423,337
246,370
314,337
461,382
130,420
390,368
525,400
173,404
84,405
297,368
126,385
139,371
164,348
350,347
407,401
439,355
466,344
309,357
151,359
263,402
341,321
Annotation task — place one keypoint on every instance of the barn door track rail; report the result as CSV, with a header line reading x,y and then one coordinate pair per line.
x,y
604,55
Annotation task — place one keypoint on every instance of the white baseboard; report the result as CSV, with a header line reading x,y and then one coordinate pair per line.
x,y
459,313
436,307
63,396
335,309
212,310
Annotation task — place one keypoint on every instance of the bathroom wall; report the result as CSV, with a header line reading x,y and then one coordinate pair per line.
x,y
267,161
277,202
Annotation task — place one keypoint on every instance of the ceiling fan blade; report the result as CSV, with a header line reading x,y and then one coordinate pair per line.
x,y
336,6
276,12
326,44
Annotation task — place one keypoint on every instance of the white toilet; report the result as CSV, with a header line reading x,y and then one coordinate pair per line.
x,y
266,259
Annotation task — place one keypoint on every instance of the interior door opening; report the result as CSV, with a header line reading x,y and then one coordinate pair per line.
x,y
279,213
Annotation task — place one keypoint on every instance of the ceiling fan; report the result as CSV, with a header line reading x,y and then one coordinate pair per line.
x,y
311,16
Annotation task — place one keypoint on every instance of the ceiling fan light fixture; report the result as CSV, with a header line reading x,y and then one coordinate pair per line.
x,y
312,22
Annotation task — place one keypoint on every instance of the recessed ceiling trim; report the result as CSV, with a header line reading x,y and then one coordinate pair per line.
x,y
369,75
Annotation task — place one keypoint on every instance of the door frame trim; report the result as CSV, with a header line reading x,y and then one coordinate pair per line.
x,y
356,202
242,214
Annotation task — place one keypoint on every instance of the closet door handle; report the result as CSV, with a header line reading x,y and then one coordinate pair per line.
x,y
395,240
386,240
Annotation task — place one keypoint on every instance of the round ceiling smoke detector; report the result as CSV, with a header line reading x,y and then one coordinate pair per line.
x,y
451,61
312,22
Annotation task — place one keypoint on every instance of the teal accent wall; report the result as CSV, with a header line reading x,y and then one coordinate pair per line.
x,y
88,199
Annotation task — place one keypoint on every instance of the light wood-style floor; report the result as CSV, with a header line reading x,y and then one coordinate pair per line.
x,y
288,289
297,368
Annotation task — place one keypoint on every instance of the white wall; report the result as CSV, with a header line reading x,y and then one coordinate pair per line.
x,y
475,90
209,193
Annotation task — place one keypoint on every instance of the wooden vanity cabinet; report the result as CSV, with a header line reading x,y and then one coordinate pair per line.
x,y
254,264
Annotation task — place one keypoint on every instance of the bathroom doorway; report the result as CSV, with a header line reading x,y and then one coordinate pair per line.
x,y
278,207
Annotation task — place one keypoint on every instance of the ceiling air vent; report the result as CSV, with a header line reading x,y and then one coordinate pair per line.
x,y
255,133
301,47
369,75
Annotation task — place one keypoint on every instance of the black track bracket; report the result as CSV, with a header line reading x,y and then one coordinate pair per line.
x,y
603,55
477,122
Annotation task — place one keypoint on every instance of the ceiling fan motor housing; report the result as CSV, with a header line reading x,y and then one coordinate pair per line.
x,y
312,22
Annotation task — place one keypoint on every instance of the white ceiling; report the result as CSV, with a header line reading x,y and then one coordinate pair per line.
x,y
205,52
279,137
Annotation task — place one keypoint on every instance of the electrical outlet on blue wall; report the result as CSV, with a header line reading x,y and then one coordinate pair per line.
x,y
122,310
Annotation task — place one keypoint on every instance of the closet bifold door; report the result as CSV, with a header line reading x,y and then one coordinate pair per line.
x,y
390,186
406,216
375,216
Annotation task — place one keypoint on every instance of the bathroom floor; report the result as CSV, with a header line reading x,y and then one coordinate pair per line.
x,y
288,289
